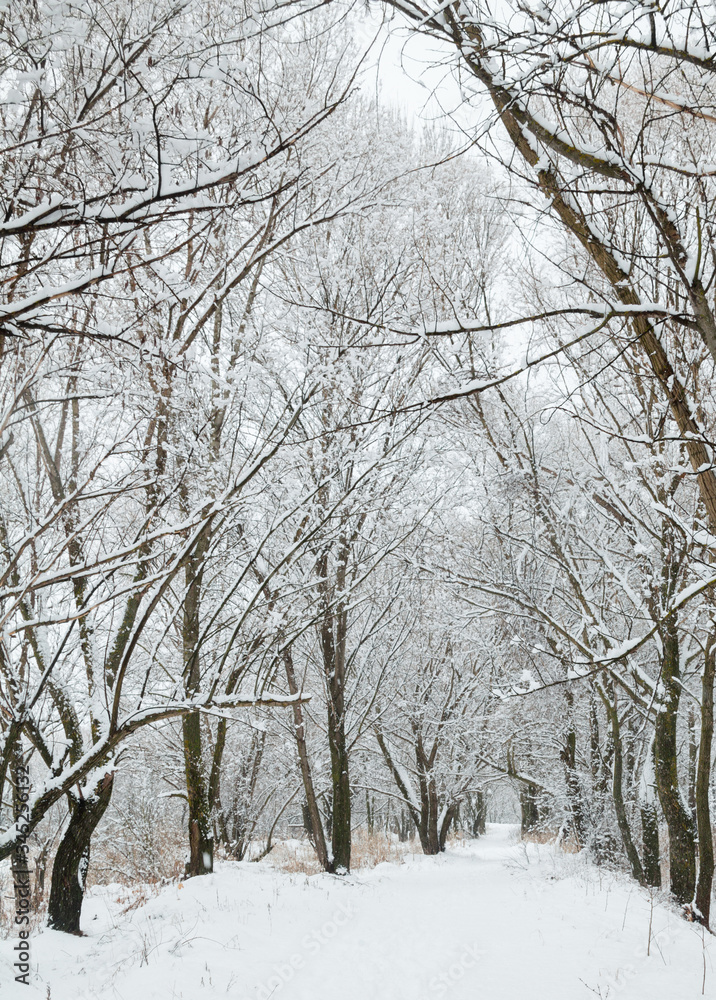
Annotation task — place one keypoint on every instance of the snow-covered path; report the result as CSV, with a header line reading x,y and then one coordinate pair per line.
x,y
491,921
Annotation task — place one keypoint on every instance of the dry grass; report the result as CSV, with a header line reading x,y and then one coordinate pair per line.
x,y
294,856
135,858
137,896
546,836
371,849
367,851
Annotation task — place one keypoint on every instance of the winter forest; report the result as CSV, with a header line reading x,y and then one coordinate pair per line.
x,y
357,499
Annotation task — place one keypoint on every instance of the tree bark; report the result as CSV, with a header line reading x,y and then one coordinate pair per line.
x,y
692,728
333,640
650,845
574,792
428,827
682,844
630,850
445,827
529,807
318,838
69,871
703,773
201,834
341,811
479,826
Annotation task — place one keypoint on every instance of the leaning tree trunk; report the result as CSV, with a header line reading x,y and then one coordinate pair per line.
x,y
413,814
444,826
682,843
69,871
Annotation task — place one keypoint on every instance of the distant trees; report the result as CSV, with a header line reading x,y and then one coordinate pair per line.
x,y
429,725
591,561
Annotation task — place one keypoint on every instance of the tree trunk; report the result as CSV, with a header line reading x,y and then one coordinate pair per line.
x,y
692,727
682,844
333,639
428,828
574,792
431,832
618,791
413,816
315,824
370,813
220,825
650,845
445,827
595,756
479,825
201,837
341,811
703,774
529,807
405,825
69,871
429,824
201,834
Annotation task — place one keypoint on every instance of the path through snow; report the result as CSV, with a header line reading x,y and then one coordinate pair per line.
x,y
490,921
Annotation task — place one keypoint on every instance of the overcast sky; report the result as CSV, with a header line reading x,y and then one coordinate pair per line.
x,y
406,69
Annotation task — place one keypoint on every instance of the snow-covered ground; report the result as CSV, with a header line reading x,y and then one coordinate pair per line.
x,y
493,920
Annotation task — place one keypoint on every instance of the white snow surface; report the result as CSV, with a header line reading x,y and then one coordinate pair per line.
x,y
490,920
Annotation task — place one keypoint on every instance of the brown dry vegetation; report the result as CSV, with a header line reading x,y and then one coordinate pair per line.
x,y
367,851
